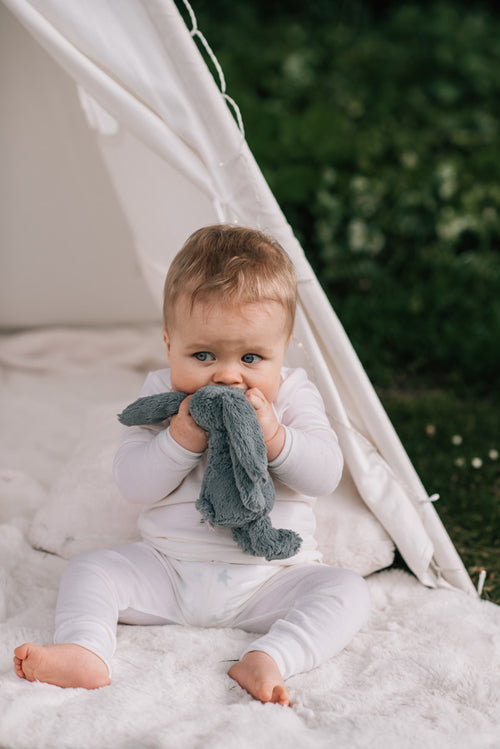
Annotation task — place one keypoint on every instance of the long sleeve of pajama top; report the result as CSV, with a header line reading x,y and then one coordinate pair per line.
x,y
153,470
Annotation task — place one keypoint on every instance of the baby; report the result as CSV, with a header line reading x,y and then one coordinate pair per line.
x,y
229,307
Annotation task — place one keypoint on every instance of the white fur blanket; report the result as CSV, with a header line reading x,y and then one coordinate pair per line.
x,y
423,672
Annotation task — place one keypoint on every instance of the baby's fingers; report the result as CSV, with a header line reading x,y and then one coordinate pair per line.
x,y
256,398
185,431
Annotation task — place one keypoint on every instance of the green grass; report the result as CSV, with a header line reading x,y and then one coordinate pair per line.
x,y
453,441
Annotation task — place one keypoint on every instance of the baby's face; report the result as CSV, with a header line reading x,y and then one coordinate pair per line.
x,y
241,345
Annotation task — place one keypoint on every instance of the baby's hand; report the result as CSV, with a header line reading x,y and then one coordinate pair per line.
x,y
186,432
274,434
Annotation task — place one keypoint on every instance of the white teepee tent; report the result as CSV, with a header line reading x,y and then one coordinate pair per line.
x,y
166,155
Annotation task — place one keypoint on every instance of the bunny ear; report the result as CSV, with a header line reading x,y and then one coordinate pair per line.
x,y
244,433
151,409
247,449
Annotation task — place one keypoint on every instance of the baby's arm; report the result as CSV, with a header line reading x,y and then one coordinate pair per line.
x,y
152,461
311,460
150,464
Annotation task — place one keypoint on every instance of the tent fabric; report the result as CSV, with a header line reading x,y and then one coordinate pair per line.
x,y
61,220
160,119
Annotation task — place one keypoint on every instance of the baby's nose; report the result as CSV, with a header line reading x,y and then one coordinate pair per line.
x,y
227,374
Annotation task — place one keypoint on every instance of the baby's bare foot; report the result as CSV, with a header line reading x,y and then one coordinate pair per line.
x,y
65,665
258,673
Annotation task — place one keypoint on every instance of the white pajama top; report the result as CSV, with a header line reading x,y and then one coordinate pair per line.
x,y
153,470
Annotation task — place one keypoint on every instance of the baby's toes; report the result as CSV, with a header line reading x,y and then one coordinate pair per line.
x,y
280,696
18,665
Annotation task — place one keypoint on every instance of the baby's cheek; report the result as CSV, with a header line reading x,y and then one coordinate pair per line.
x,y
269,389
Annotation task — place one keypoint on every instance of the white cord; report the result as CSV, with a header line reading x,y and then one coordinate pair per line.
x,y
195,32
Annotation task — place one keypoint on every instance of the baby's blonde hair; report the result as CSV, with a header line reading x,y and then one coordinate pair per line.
x,y
233,264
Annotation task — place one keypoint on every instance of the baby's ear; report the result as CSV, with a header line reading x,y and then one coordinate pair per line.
x,y
166,340
151,409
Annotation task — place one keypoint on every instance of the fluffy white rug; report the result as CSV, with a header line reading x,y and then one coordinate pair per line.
x,y
423,672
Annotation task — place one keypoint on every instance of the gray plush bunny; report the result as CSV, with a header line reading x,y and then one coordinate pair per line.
x,y
237,491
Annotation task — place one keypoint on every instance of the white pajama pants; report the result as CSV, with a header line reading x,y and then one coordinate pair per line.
x,y
304,614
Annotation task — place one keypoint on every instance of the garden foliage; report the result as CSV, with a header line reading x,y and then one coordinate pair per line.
x,y
379,135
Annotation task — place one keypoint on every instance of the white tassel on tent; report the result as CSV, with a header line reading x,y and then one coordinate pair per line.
x,y
480,583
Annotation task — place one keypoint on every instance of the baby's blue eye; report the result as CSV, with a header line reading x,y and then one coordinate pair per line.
x,y
251,358
204,356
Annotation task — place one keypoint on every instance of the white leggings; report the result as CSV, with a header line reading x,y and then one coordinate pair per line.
x,y
304,613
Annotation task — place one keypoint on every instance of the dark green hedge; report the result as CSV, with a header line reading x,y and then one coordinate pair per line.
x,y
379,134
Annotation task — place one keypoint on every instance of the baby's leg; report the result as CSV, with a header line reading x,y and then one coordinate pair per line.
x,y
95,588
309,614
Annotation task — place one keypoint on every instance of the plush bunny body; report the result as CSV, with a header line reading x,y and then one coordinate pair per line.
x,y
237,491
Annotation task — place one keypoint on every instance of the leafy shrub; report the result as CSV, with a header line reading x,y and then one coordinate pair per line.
x,y
379,136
